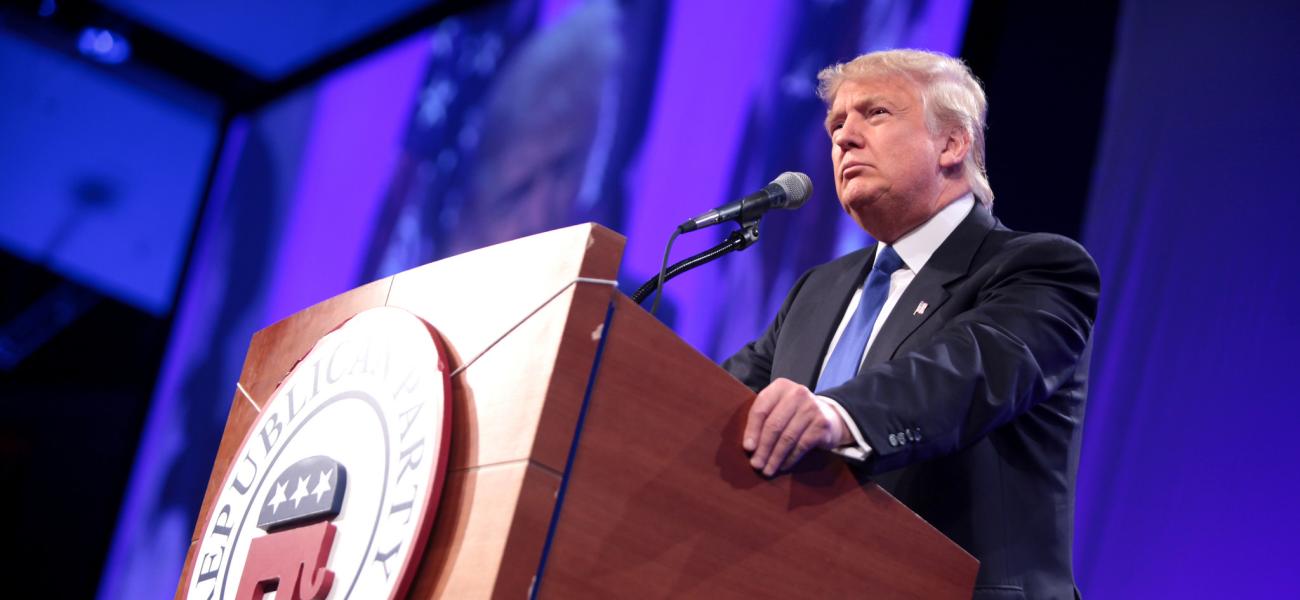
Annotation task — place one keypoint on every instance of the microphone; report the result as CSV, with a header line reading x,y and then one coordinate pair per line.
x,y
789,190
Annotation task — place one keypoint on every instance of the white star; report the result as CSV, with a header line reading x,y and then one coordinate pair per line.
x,y
300,492
489,51
278,498
797,85
434,101
444,37
323,486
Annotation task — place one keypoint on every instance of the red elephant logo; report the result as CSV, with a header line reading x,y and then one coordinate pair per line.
x,y
291,559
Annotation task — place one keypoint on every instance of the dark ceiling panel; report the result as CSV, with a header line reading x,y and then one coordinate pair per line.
x,y
269,39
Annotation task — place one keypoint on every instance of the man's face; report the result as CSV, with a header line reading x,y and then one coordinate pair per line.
x,y
527,188
887,170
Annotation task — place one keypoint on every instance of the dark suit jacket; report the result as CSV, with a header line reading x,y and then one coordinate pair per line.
x,y
973,406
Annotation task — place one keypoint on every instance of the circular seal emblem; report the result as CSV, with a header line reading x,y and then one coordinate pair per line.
x,y
334,488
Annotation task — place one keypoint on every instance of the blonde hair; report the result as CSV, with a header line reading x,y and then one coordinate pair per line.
x,y
951,95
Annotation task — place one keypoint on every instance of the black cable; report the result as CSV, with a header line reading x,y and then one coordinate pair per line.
x,y
663,270
734,242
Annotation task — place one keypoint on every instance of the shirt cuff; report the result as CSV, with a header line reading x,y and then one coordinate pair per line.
x,y
861,450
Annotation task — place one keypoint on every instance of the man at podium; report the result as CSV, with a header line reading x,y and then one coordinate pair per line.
x,y
948,361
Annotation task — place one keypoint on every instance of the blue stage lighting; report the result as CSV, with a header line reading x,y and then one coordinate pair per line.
x,y
103,45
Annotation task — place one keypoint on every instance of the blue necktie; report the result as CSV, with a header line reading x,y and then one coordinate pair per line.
x,y
846,357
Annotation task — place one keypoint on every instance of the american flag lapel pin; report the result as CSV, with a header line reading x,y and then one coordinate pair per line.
x,y
920,308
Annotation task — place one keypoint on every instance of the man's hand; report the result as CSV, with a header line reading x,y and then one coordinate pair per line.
x,y
785,422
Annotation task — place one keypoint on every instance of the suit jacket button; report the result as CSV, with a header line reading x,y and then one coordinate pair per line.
x,y
893,439
918,434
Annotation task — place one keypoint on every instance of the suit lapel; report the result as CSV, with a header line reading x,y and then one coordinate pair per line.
x,y
927,293
829,309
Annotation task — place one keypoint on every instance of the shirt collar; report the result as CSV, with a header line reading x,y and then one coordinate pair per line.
x,y
919,244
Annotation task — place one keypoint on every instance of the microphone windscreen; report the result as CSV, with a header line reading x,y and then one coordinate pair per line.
x,y
797,188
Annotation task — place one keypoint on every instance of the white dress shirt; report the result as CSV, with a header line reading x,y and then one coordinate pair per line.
x,y
915,249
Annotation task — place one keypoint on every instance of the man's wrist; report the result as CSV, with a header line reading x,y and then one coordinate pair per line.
x,y
851,444
843,437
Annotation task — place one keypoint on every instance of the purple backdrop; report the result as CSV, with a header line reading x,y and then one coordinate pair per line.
x,y
1187,474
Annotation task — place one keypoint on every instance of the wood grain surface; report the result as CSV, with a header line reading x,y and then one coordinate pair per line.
x,y
513,412
662,502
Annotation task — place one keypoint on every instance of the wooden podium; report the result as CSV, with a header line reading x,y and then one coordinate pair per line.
x,y
596,455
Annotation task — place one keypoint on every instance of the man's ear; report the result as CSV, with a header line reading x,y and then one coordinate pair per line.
x,y
956,145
